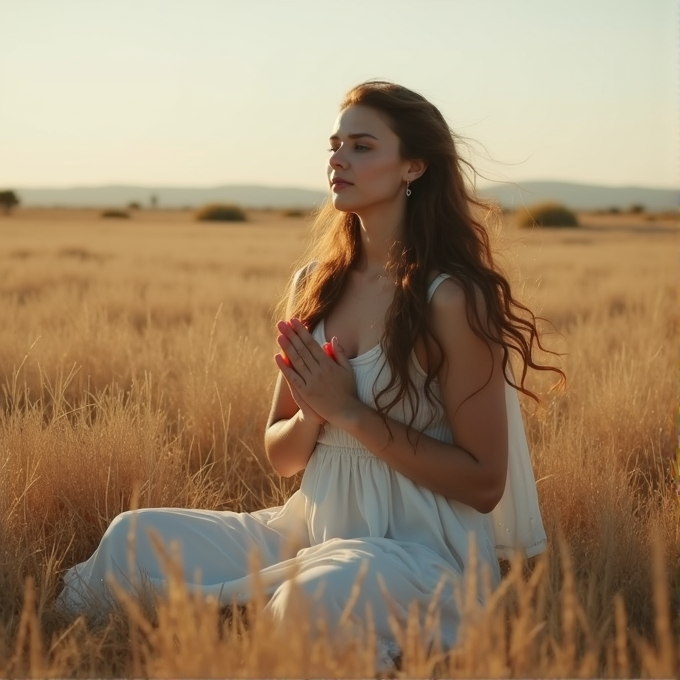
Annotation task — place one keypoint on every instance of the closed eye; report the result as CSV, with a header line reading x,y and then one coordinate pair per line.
x,y
357,147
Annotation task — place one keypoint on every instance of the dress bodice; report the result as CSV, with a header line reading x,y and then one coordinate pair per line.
x,y
372,374
349,492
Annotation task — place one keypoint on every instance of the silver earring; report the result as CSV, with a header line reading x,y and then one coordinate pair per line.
x,y
408,191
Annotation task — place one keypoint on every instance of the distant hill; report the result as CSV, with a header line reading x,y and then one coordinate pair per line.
x,y
576,196
581,196
120,196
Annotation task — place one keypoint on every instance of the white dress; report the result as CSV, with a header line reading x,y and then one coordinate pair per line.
x,y
351,509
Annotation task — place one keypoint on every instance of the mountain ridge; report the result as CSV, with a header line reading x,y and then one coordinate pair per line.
x,y
575,195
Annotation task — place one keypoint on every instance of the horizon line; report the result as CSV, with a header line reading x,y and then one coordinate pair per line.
x,y
126,185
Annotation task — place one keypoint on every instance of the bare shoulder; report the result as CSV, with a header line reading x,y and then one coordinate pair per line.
x,y
470,362
298,279
449,292
453,327
449,301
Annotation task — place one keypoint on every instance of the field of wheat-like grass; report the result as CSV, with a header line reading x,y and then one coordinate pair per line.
x,y
136,368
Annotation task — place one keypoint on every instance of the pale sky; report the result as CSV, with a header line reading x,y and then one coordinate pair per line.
x,y
208,92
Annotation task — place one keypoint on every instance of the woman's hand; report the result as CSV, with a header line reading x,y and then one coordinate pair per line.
x,y
308,413
325,386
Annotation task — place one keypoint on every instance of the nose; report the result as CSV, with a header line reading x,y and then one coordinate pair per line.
x,y
337,159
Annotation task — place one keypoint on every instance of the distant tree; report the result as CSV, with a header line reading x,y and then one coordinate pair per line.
x,y
134,206
636,208
153,201
8,201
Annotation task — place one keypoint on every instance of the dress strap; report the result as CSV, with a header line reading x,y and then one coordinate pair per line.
x,y
435,284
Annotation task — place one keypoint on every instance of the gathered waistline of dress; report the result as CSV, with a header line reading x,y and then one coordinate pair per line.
x,y
345,449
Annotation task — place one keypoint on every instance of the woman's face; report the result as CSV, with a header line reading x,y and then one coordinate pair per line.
x,y
364,168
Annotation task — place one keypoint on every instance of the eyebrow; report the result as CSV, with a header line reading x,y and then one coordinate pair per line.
x,y
355,136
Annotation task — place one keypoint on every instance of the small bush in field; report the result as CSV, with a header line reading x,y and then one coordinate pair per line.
x,y
547,214
221,212
295,212
118,214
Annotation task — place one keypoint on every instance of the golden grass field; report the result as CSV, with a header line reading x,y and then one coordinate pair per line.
x,y
136,359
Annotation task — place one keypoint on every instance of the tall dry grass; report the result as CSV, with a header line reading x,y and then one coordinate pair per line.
x,y
138,357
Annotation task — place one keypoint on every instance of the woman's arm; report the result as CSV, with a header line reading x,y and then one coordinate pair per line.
x,y
472,471
290,436
292,427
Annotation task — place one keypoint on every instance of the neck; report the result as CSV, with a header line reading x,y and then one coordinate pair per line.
x,y
381,226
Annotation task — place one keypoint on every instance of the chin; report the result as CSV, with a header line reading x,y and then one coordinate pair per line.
x,y
346,204
341,204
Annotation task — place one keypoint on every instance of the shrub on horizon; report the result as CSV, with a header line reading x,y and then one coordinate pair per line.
x,y
546,214
295,212
221,212
119,214
8,201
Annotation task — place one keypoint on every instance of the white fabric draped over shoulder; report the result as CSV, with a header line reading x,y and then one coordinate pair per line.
x,y
517,521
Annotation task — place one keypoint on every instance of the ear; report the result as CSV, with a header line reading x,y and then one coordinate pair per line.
x,y
414,169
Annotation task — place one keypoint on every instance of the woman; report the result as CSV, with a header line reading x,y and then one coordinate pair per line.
x,y
394,396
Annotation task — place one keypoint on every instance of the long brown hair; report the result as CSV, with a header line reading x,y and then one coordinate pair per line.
x,y
441,234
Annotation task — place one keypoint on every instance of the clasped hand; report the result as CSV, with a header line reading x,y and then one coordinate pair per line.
x,y
321,382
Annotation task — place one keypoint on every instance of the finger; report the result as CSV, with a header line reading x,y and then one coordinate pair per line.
x,y
292,377
304,344
296,322
308,339
290,351
327,347
339,353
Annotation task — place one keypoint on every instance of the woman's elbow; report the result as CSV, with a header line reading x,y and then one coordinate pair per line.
x,y
278,456
487,505
272,452
283,472
491,496
278,464
277,460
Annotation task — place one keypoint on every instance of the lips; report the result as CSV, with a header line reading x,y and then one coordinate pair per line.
x,y
338,184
